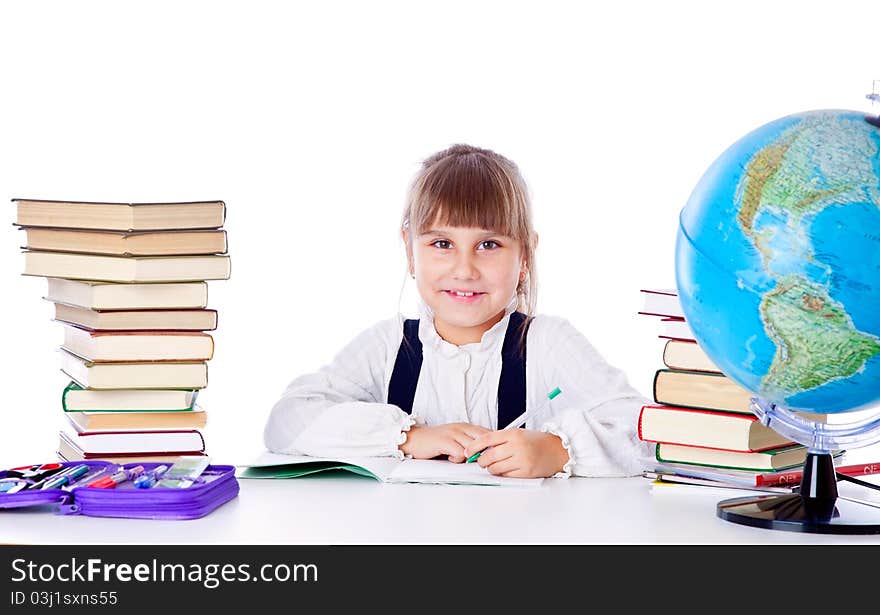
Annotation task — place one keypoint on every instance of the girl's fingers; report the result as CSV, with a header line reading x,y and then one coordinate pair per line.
x,y
461,438
490,438
494,454
469,431
465,441
453,448
506,467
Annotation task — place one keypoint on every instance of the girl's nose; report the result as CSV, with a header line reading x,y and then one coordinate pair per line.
x,y
465,267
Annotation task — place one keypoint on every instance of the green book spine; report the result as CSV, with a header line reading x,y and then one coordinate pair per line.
x,y
768,453
73,386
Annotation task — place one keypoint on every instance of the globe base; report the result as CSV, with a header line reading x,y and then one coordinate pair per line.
x,y
814,509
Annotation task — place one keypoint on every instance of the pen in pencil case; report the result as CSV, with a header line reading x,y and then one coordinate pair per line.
x,y
66,477
88,479
39,478
148,479
521,419
110,482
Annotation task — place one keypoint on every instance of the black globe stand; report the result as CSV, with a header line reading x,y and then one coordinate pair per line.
x,y
815,509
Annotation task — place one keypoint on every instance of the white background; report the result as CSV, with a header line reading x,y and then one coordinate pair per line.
x,y
310,121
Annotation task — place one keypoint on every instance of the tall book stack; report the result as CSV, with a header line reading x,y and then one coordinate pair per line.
x,y
128,282
701,421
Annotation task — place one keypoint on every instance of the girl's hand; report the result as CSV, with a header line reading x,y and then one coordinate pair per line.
x,y
519,453
427,442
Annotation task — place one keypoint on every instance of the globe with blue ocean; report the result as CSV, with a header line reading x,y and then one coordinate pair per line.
x,y
778,261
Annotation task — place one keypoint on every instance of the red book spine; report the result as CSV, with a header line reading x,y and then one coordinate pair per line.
x,y
794,476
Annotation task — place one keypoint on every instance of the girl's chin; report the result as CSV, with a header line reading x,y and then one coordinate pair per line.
x,y
465,317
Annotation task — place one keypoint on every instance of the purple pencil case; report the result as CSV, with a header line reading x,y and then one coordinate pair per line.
x,y
216,485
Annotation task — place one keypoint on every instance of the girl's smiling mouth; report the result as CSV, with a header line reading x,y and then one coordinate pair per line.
x,y
463,296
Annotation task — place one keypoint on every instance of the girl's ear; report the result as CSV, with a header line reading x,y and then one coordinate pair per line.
x,y
404,234
524,268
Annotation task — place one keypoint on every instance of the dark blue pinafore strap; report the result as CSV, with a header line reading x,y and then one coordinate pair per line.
x,y
405,377
511,385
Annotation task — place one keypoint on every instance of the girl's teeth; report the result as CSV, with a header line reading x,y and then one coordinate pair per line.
x,y
464,294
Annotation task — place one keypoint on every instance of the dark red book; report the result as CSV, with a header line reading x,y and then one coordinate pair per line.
x,y
782,478
99,444
729,431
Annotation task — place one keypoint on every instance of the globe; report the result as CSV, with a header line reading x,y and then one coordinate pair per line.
x,y
778,261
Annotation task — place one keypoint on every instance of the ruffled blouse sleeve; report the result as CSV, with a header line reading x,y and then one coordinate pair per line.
x,y
596,417
340,410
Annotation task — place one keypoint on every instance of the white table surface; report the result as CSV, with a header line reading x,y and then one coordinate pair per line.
x,y
342,509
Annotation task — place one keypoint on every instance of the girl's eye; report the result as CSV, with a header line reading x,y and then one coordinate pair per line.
x,y
489,245
443,244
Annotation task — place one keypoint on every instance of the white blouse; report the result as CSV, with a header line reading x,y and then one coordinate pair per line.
x,y
341,410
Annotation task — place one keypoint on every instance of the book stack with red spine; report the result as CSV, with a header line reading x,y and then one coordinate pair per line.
x,y
701,421
128,283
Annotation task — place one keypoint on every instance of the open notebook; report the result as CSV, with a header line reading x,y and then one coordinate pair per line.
x,y
385,469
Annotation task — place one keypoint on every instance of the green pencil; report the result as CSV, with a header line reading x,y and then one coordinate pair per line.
x,y
521,419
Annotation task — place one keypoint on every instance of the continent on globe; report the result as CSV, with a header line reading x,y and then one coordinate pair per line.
x,y
817,163
816,341
778,261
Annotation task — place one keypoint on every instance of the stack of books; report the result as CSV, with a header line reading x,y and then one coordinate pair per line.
x,y
128,282
701,421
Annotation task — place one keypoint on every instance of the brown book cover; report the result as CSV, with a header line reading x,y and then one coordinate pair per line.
x,y
111,296
134,375
124,346
731,431
687,356
706,390
137,421
104,268
120,216
137,320
124,243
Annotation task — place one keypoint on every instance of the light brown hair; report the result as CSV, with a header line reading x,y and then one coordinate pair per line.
x,y
474,187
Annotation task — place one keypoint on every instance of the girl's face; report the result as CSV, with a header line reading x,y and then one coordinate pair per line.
x,y
467,276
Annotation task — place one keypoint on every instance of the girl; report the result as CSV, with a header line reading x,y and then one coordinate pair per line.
x,y
448,383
